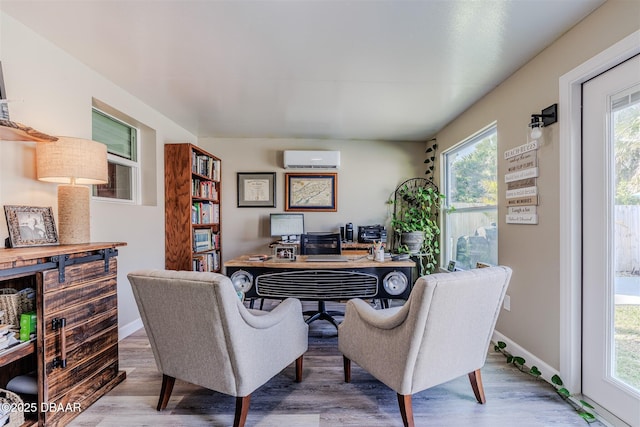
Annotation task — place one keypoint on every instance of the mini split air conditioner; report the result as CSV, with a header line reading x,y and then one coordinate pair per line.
x,y
311,159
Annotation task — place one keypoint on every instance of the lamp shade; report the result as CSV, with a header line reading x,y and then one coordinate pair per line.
x,y
72,161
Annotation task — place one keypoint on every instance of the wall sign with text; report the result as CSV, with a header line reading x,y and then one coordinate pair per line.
x,y
522,187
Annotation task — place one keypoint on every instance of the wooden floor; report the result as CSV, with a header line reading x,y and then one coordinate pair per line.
x,y
323,399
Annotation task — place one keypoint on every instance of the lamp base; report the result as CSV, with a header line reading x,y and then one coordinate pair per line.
x,y
73,214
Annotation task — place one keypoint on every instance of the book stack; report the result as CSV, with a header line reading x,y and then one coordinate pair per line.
x,y
202,240
5,336
259,257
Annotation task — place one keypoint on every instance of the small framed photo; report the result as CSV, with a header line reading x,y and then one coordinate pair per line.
x,y
30,226
284,252
451,266
256,189
313,192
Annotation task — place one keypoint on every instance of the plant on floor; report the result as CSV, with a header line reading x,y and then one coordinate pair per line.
x,y
582,408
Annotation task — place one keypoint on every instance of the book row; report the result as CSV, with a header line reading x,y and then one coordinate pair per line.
x,y
205,165
207,262
205,240
204,189
205,213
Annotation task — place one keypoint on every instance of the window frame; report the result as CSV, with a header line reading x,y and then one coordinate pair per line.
x,y
449,249
134,165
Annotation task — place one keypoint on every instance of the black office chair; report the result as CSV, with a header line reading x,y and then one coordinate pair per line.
x,y
321,244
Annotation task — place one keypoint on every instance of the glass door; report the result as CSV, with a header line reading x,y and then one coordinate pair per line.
x,y
611,241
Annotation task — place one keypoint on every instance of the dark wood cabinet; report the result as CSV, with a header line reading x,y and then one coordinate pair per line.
x,y
192,208
75,353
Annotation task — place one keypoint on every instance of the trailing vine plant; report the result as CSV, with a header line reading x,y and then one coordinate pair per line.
x,y
582,408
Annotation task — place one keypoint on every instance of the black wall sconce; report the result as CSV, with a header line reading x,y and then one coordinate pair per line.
x,y
547,117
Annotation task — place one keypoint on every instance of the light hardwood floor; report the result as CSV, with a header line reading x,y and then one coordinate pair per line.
x,y
324,400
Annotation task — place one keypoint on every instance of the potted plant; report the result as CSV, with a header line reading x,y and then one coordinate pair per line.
x,y
415,220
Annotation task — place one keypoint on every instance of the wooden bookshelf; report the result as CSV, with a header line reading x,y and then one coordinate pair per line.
x,y
192,208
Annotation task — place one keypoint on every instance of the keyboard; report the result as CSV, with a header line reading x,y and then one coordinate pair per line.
x,y
326,258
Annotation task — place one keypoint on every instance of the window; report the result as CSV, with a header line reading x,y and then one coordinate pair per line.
x,y
122,154
471,188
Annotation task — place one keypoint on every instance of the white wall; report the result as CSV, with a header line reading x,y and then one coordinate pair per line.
x,y
54,94
533,251
368,174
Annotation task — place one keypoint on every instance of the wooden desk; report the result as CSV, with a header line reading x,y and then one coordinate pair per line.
x,y
360,277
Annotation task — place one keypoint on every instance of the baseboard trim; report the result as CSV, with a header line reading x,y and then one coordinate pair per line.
x,y
129,328
531,360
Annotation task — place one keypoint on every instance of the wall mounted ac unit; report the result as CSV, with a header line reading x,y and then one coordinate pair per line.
x,y
311,159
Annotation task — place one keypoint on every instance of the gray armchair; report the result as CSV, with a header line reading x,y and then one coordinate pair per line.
x,y
440,333
200,332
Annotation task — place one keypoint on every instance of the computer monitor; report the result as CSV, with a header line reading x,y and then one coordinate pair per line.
x,y
287,226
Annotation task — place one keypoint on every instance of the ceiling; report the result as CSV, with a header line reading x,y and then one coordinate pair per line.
x,y
386,69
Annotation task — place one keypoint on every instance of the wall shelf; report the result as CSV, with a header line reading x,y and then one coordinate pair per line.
x,y
12,131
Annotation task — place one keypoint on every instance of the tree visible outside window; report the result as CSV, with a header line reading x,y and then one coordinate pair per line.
x,y
122,154
471,188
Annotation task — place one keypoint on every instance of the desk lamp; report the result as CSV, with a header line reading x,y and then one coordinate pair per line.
x,y
73,162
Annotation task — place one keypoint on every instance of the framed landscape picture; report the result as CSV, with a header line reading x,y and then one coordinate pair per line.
x,y
311,192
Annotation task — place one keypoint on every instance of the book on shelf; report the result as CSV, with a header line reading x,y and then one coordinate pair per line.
x,y
209,261
202,240
205,213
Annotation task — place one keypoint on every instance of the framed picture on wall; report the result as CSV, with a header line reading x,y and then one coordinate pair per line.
x,y
30,226
256,189
311,192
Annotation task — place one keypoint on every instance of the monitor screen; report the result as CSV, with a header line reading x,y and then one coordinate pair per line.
x,y
289,226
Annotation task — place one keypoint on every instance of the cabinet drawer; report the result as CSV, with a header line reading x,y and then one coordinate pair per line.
x,y
85,362
82,341
77,296
80,390
78,273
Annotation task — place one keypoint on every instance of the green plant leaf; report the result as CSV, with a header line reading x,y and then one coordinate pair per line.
x,y
509,359
564,392
502,344
557,380
587,416
535,371
519,360
586,404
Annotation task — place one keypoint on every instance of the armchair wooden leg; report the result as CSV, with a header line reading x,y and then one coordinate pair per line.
x,y
406,409
299,369
165,391
347,369
476,384
242,409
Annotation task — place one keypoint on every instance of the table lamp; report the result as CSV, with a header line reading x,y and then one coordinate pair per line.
x,y
73,162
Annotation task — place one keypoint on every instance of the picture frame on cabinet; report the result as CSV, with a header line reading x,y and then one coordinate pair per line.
x,y
256,189
30,226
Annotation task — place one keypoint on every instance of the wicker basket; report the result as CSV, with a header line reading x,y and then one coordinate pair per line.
x,y
13,401
14,303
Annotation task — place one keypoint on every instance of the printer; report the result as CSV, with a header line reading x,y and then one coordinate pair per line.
x,y
371,233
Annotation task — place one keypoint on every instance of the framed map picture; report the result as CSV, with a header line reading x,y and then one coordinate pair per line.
x,y
311,192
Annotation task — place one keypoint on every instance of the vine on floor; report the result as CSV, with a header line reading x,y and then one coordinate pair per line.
x,y
582,408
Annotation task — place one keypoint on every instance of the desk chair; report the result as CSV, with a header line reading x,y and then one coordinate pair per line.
x,y
321,244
